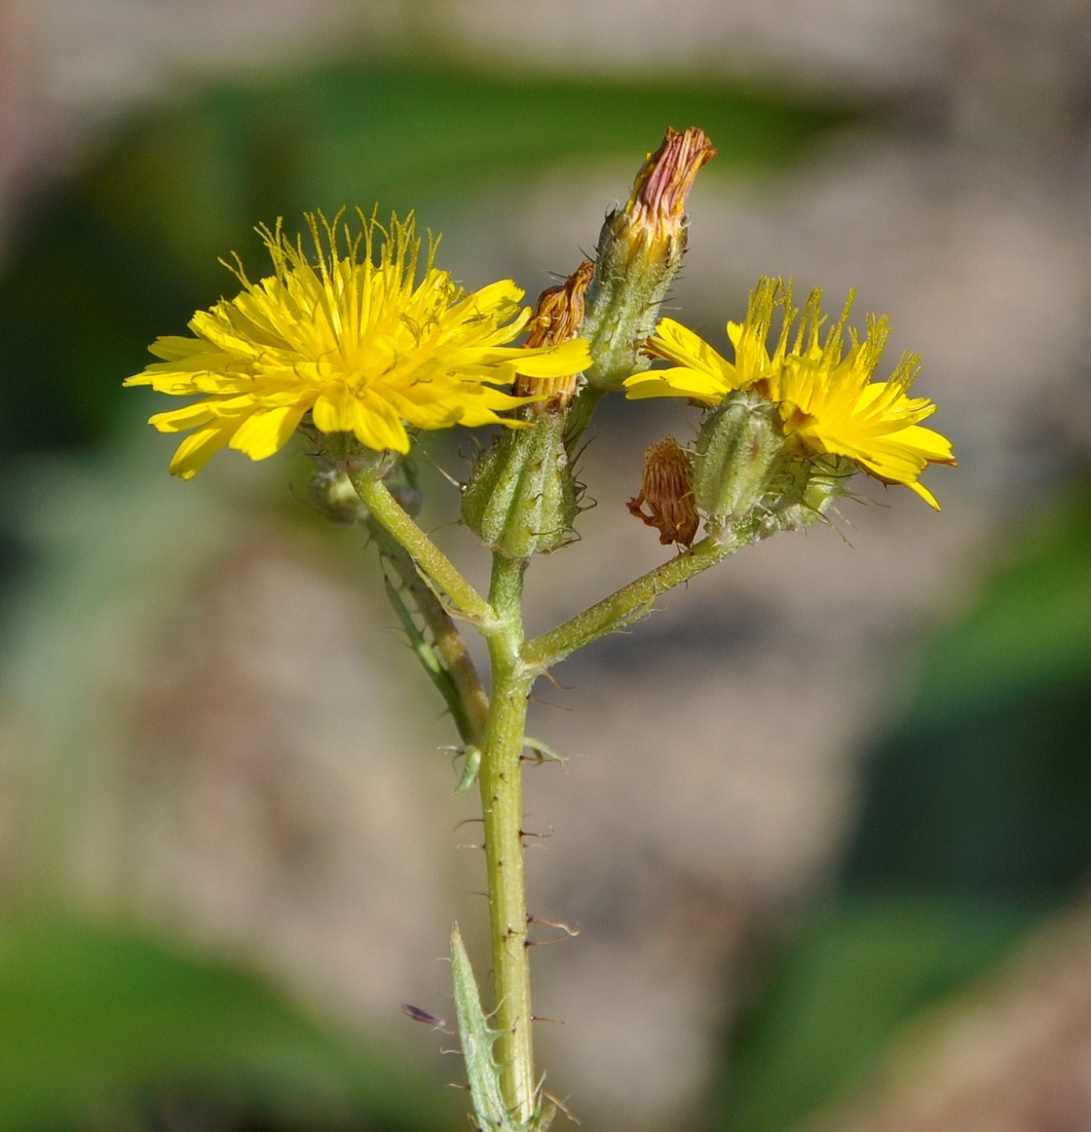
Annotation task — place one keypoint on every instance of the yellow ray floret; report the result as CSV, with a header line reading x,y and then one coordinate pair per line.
x,y
365,334
827,400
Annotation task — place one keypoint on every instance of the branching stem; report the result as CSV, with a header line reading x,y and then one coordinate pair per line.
x,y
636,599
430,560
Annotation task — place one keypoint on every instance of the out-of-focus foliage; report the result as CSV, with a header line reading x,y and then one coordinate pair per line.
x,y
857,972
985,787
108,1029
976,821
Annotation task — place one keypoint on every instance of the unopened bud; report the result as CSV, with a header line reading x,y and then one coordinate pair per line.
x,y
332,493
639,253
667,492
521,498
817,482
740,452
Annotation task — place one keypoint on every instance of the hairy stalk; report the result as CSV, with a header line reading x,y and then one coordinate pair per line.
x,y
502,810
635,600
453,671
580,414
430,560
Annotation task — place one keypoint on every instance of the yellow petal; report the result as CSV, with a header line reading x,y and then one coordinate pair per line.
x,y
678,382
197,448
263,433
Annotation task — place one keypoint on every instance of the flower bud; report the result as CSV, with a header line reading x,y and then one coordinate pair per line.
x,y
521,498
740,456
639,253
817,482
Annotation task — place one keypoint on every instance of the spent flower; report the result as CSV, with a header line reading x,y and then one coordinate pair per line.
x,y
558,317
666,490
639,253
367,336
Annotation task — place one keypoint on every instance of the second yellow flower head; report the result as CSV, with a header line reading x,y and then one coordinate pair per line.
x,y
827,401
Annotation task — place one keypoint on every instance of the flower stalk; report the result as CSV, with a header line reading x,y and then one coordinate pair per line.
x,y
430,560
636,600
444,655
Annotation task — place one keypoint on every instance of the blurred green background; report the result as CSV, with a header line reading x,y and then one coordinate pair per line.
x,y
183,920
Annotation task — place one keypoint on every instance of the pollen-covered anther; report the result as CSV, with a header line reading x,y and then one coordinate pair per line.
x,y
557,318
667,492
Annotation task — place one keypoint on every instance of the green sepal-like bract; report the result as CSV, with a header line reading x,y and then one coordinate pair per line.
x,y
521,498
740,450
745,464
471,767
477,1040
816,483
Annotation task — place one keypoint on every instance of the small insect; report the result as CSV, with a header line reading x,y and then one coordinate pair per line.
x,y
419,1014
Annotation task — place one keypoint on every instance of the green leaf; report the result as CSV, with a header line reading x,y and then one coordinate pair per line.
x,y
1030,630
985,784
477,1040
95,1022
854,976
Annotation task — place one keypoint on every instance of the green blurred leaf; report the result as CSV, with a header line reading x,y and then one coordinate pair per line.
x,y
852,978
77,308
408,134
1031,629
985,784
95,1021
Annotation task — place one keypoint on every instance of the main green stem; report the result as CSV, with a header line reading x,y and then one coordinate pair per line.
x,y
501,781
515,665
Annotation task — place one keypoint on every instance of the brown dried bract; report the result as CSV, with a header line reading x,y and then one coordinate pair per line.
x,y
667,492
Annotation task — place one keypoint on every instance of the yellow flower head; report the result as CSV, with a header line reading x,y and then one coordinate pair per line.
x,y
825,395
354,338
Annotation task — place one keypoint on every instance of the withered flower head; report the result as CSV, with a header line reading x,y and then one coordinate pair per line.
x,y
667,490
639,253
658,200
558,318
